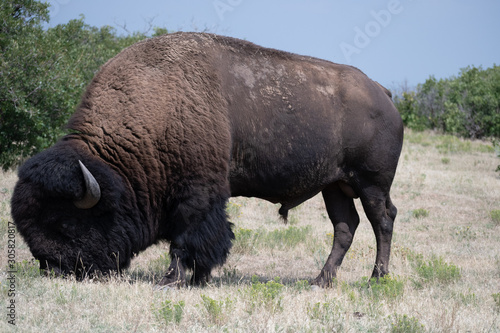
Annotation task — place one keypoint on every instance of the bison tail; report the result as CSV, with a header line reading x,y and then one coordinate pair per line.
x,y
284,214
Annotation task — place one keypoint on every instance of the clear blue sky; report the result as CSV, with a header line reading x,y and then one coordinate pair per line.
x,y
390,40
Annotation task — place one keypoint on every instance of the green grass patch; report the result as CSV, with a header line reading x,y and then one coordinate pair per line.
x,y
248,240
245,241
416,137
465,233
268,296
302,285
159,265
218,311
468,299
387,287
233,210
434,270
328,314
406,324
496,299
452,144
286,238
27,269
420,213
168,312
495,216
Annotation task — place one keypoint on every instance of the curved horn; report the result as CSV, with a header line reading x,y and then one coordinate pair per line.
x,y
92,193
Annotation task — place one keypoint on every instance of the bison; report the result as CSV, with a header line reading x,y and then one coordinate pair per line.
x,y
173,126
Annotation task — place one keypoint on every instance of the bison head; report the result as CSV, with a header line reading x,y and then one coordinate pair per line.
x,y
73,211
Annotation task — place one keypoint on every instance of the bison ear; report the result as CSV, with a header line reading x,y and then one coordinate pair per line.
x,y
92,190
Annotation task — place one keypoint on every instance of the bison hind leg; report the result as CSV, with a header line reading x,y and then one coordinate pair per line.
x,y
203,243
381,212
345,220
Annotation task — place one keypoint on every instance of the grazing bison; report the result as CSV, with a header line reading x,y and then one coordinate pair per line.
x,y
173,126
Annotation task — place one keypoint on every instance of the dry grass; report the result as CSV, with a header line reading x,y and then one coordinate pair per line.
x,y
445,265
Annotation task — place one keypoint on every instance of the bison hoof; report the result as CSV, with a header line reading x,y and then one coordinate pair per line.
x,y
168,283
324,281
158,287
173,280
316,288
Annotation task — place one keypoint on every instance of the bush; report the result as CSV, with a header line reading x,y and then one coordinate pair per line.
x,y
218,311
434,270
495,216
169,312
420,213
328,314
387,287
467,105
406,324
496,299
267,295
44,73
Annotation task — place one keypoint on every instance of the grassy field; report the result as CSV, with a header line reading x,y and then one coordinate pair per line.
x,y
445,264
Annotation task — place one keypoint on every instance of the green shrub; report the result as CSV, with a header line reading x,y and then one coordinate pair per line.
x,y
465,233
245,241
267,295
218,311
434,270
302,285
387,287
496,299
159,265
468,298
420,213
44,72
406,324
495,216
328,314
466,105
27,269
233,210
169,312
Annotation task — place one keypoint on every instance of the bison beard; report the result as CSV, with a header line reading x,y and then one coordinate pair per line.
x,y
173,126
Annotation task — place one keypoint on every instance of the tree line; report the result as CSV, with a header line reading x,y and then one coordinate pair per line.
x,y
467,105
44,71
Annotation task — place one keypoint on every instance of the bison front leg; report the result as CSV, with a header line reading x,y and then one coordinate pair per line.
x,y
201,242
345,220
176,274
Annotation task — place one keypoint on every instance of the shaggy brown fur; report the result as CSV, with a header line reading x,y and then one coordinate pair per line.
x,y
173,126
